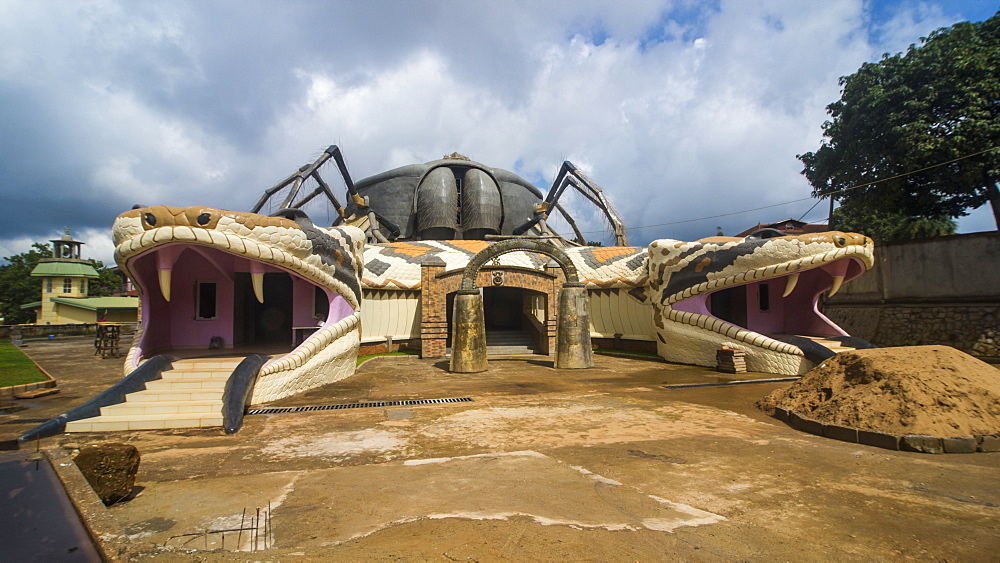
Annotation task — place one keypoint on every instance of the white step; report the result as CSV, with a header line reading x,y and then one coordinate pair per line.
x,y
174,395
144,422
178,407
185,384
207,364
833,345
196,374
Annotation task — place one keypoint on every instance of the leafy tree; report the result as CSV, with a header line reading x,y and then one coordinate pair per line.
x,y
887,225
899,118
17,287
108,282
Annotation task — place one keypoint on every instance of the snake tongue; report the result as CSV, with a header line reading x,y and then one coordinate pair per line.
x,y
793,279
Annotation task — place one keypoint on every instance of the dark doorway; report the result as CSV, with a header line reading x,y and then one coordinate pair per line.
x,y
731,305
502,308
267,323
508,331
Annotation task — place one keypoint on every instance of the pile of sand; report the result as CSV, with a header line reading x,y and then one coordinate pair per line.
x,y
933,390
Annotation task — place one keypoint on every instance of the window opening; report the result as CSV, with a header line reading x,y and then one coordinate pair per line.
x,y
67,285
48,285
764,297
206,305
321,304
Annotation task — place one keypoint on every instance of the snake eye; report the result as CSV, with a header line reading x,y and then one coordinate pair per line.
x,y
204,218
151,219
841,242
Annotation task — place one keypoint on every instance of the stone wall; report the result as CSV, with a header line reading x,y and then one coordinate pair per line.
x,y
43,331
944,291
971,328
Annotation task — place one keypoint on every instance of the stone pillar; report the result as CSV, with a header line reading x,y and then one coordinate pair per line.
x,y
433,310
468,334
573,335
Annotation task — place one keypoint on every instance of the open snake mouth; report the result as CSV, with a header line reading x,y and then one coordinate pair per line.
x,y
761,292
212,278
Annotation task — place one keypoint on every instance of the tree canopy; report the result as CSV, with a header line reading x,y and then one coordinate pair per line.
x,y
918,132
17,287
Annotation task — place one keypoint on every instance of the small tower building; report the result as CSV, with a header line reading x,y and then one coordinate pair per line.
x,y
65,281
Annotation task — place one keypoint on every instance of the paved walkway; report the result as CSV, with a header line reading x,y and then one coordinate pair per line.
x,y
603,463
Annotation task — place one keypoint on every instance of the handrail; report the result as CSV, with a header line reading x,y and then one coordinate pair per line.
x,y
239,391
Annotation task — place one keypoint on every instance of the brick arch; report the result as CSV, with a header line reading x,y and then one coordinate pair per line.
x,y
514,245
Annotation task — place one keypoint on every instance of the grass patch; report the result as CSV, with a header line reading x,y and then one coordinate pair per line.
x,y
363,359
16,368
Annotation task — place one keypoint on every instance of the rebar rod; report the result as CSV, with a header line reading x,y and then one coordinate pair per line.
x,y
239,540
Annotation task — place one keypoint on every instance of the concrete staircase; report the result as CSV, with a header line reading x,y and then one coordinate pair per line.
x,y
188,396
508,343
833,345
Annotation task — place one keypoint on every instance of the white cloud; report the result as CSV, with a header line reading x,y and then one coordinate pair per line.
x,y
15,246
97,244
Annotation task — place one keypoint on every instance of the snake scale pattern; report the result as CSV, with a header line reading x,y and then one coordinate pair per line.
x,y
165,250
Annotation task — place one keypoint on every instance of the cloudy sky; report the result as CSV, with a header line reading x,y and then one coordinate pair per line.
x,y
679,109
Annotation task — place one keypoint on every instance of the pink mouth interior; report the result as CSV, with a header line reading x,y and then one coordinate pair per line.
x,y
198,311
759,306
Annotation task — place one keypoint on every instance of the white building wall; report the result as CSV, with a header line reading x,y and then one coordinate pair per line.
x,y
390,313
614,311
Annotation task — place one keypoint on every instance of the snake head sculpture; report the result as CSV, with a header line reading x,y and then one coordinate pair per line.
x,y
754,294
208,276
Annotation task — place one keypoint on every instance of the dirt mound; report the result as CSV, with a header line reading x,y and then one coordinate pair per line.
x,y
933,390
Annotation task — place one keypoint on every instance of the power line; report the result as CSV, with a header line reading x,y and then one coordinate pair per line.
x,y
823,196
818,201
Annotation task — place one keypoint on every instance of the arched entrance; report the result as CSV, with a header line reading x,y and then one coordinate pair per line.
x,y
468,326
516,313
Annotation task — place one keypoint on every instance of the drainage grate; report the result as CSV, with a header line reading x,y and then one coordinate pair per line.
x,y
728,383
411,402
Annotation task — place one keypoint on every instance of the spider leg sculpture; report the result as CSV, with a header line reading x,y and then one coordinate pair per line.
x,y
570,175
369,222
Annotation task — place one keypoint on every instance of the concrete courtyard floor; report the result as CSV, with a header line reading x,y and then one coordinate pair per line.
x,y
596,464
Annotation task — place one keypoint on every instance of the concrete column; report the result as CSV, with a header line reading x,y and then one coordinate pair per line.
x,y
468,333
573,334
